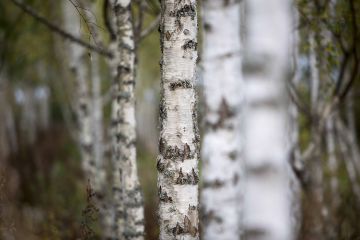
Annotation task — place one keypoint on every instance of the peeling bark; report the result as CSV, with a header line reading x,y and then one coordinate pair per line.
x,y
223,92
179,138
266,202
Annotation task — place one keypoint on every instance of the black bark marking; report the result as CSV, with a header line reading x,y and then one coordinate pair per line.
x,y
225,112
188,178
121,69
190,44
207,27
177,230
233,155
188,10
174,152
168,35
160,165
214,184
163,111
184,84
255,233
186,154
236,179
189,228
210,216
163,196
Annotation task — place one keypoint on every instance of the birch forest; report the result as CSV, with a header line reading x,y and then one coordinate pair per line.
x,y
179,120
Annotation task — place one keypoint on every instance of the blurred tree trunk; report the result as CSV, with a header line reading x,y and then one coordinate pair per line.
x,y
179,139
332,165
4,144
314,225
266,202
28,116
295,163
129,210
100,177
42,97
78,68
223,93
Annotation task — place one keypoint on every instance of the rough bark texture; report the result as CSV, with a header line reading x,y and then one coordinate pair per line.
x,y
222,85
177,162
129,212
266,202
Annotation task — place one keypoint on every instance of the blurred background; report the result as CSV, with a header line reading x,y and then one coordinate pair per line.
x,y
43,193
42,187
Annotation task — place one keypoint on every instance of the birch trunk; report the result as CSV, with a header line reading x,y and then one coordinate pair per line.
x,y
78,68
266,202
179,140
129,211
222,85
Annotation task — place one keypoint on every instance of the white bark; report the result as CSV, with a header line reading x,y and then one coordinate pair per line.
x,y
266,202
179,140
332,161
128,200
222,85
42,101
78,69
97,121
100,178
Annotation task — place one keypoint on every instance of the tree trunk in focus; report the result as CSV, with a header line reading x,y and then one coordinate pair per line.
x,y
177,162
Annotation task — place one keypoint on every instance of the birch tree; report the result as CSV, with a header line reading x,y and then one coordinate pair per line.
x,y
128,200
77,65
266,202
177,162
222,85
